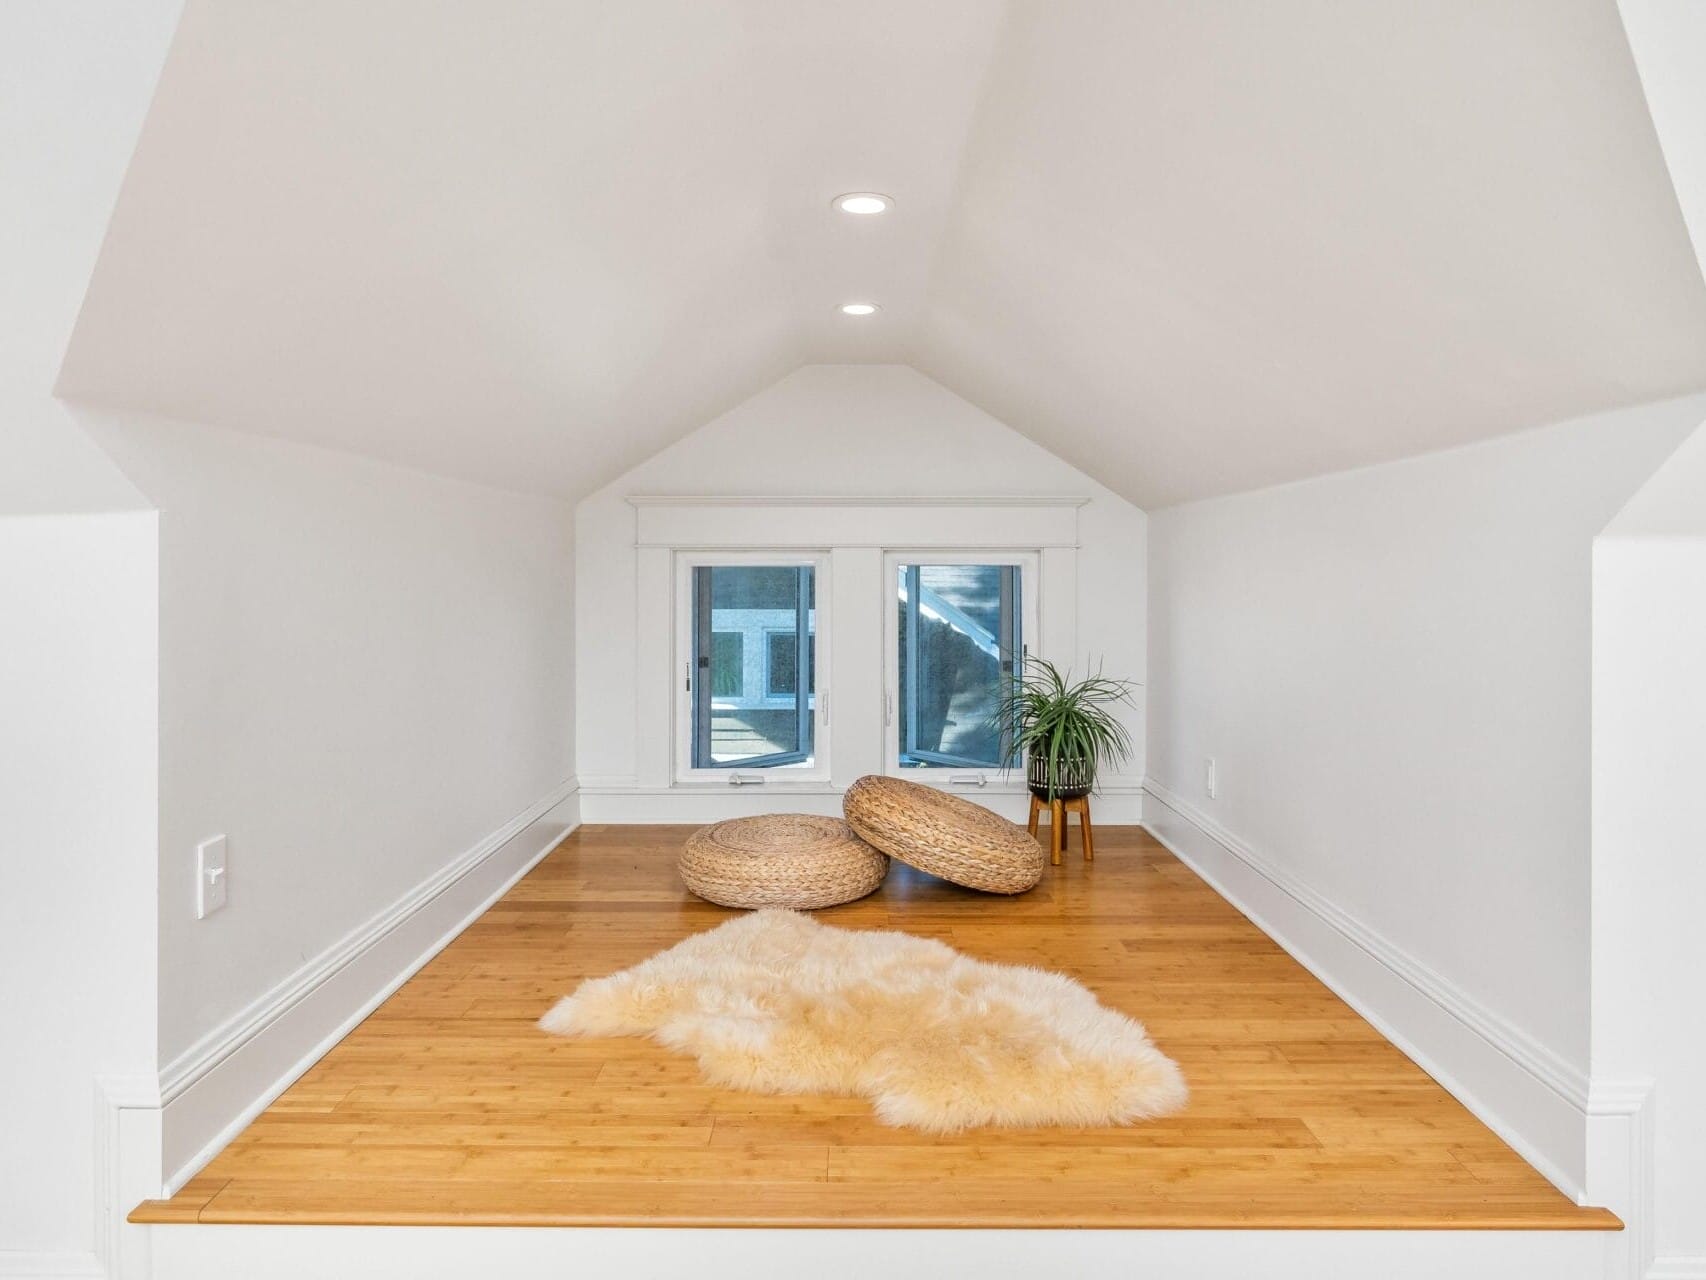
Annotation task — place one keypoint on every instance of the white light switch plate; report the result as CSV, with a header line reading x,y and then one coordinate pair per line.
x,y
210,875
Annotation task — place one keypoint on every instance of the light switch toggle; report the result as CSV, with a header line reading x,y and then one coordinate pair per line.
x,y
210,876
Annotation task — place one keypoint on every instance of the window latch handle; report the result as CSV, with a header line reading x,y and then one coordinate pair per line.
x,y
972,780
744,780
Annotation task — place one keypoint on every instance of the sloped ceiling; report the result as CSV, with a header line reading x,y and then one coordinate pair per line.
x,y
1189,247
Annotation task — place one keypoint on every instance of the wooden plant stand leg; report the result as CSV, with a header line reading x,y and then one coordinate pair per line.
x,y
1036,808
1057,829
1081,806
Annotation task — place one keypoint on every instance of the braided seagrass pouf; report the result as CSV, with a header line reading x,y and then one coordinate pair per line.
x,y
944,835
780,860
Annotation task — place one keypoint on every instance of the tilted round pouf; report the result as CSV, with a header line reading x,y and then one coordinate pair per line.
x,y
780,860
944,835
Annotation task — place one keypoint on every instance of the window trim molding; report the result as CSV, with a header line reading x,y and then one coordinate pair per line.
x,y
679,524
855,500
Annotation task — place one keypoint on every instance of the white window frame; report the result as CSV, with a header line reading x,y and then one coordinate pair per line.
x,y
814,770
1029,564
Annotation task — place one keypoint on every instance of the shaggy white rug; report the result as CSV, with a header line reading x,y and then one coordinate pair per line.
x,y
776,1003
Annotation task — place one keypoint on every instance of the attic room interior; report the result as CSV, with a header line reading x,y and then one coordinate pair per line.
x,y
727,637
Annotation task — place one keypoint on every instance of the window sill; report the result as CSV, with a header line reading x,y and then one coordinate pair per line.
x,y
818,785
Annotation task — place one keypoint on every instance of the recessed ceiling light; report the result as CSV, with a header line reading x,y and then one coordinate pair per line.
x,y
859,308
863,202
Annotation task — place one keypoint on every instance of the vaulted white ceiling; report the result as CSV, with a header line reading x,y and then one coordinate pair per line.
x,y
1191,248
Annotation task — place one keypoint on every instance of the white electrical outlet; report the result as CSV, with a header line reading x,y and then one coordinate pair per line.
x,y
1211,778
210,873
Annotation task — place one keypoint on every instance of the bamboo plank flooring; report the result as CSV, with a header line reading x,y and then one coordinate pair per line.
x,y
447,1106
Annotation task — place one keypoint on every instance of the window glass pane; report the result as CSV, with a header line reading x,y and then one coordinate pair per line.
x,y
782,648
782,668
959,637
727,660
748,621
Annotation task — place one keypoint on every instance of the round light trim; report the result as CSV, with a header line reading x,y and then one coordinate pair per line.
x,y
863,203
859,308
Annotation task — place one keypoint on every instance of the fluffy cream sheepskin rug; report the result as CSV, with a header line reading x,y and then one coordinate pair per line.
x,y
776,1003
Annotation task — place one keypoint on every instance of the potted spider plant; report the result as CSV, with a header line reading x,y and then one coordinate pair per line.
x,y
1066,728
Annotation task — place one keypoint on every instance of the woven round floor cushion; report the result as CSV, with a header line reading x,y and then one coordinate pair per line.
x,y
944,835
780,860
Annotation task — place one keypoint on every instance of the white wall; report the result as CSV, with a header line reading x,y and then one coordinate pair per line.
x,y
77,812
1391,668
356,671
78,634
365,672
75,80
1649,828
847,431
1668,40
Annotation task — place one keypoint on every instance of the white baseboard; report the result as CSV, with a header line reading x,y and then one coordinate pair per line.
x,y
631,804
1530,1097
1621,1176
217,1086
1620,1167
17,1265
624,803
127,1170
725,1253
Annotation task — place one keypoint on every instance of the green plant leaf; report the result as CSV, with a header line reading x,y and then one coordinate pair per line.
x,y
1044,714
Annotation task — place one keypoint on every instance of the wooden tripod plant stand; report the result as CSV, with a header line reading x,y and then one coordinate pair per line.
x,y
1058,809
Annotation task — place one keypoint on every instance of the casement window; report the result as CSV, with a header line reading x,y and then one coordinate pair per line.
x,y
751,665
751,611
958,627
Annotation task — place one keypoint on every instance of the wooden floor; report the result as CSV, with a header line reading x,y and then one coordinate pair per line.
x,y
448,1106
